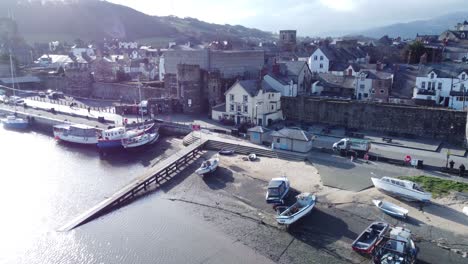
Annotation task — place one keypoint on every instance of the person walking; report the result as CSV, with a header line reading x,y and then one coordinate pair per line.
x,y
451,163
462,170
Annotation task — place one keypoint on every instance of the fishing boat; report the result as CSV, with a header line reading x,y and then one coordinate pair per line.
x,y
368,239
398,248
303,206
13,122
278,189
139,141
112,138
79,134
402,188
208,166
391,209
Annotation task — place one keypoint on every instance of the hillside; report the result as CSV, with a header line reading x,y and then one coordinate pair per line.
x,y
96,20
433,26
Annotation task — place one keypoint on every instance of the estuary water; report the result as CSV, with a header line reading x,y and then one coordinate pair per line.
x,y
44,184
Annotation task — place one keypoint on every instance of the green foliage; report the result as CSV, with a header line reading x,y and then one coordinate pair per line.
x,y
438,187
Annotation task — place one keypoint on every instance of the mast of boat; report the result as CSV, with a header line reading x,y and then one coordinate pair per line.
x,y
12,74
139,94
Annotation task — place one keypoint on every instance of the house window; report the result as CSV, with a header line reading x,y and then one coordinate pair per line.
x,y
246,98
321,66
463,77
232,108
362,86
214,89
278,140
231,97
366,95
439,86
462,87
321,58
272,107
429,85
423,85
238,108
372,91
363,78
432,75
315,57
382,91
246,109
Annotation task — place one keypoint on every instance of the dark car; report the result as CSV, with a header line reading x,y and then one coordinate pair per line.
x,y
278,189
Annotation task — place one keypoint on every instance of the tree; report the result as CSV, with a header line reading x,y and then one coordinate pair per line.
x,y
415,51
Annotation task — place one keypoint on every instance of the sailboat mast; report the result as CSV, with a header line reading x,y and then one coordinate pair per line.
x,y
12,74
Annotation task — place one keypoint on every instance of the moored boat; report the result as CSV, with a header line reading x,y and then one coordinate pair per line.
x,y
79,134
13,122
397,248
369,238
208,166
113,138
402,188
140,140
303,206
226,152
391,209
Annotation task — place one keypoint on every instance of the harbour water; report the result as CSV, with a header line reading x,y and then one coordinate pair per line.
x,y
44,184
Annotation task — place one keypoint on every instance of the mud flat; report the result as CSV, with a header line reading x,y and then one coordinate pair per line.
x,y
233,201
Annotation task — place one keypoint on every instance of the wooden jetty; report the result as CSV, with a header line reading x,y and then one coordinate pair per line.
x,y
159,174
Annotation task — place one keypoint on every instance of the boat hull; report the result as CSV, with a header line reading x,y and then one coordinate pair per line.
x,y
205,170
291,219
76,140
15,126
109,144
395,190
391,209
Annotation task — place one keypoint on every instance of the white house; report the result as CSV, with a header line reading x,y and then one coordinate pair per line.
x,y
443,85
250,102
79,51
285,87
319,61
324,58
291,139
373,85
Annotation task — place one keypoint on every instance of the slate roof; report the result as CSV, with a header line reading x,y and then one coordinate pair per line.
x,y
294,67
460,34
443,70
342,54
267,87
290,133
404,80
377,75
258,129
334,81
250,86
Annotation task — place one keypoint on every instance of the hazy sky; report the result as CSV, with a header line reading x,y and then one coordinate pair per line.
x,y
309,17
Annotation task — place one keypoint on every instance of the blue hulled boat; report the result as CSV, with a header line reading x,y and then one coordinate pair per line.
x,y
12,122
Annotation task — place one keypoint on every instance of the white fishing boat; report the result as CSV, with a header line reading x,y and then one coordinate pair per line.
x,y
13,122
112,138
139,141
391,209
79,134
208,166
402,188
303,206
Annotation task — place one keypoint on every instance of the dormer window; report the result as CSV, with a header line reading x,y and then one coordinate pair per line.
x,y
463,77
432,75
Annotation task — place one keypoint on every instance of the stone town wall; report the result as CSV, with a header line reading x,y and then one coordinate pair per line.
x,y
189,81
237,63
386,118
126,92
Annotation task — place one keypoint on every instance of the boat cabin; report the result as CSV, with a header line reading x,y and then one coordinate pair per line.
x,y
277,190
113,133
76,130
402,183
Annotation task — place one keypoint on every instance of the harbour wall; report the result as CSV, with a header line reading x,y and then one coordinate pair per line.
x,y
392,119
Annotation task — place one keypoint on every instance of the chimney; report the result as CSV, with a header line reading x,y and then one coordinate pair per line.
x,y
379,66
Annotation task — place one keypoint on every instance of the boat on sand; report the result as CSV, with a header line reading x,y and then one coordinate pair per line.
x,y
368,239
303,206
208,166
402,188
391,209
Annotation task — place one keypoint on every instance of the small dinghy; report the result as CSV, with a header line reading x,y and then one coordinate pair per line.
x,y
391,209
304,205
252,157
208,166
226,152
367,240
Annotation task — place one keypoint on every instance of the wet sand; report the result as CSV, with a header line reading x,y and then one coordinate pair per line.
x,y
232,199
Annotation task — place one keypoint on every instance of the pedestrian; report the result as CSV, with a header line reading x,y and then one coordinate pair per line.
x,y
462,170
89,109
451,163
